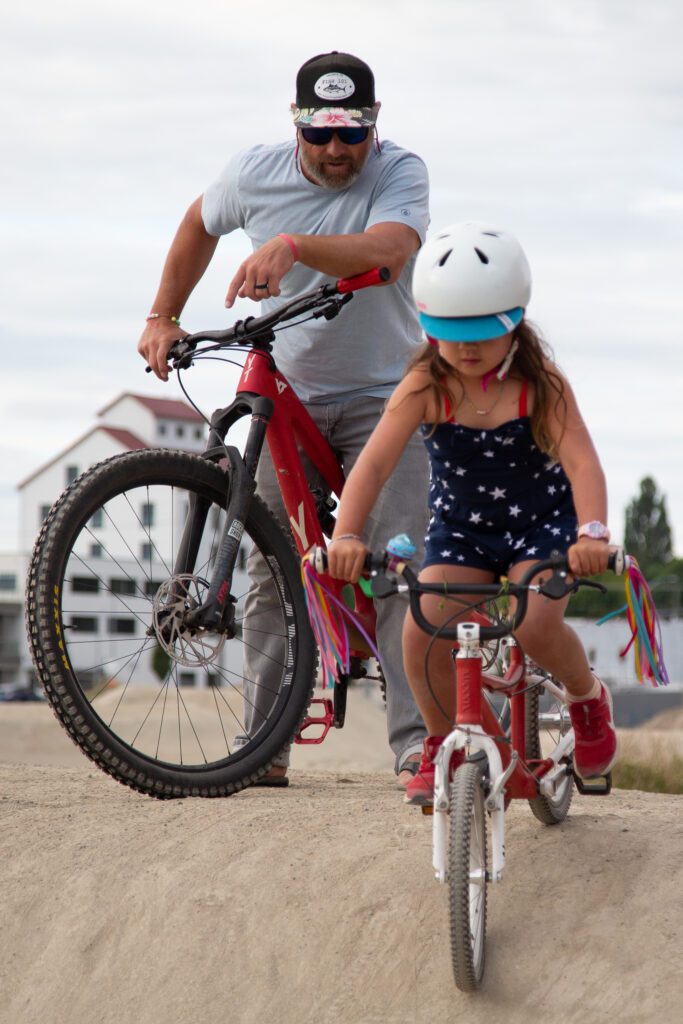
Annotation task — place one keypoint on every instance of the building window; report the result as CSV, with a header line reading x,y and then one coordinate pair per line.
x,y
179,431
85,584
125,586
84,623
146,552
147,515
95,550
71,474
8,582
186,678
43,514
199,433
122,626
162,428
151,587
97,519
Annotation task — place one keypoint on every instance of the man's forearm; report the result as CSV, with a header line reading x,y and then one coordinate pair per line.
x,y
345,255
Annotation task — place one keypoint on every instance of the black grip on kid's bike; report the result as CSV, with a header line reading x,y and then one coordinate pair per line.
x,y
379,275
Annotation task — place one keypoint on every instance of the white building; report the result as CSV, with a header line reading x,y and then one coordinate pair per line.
x,y
128,423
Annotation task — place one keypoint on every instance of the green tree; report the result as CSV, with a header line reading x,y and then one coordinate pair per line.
x,y
647,533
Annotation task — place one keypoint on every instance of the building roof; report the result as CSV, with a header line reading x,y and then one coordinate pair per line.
x,y
162,408
123,437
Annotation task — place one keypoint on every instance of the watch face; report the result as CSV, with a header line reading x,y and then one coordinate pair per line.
x,y
596,530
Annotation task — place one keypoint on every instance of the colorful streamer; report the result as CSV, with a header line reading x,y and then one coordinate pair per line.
x,y
328,620
643,621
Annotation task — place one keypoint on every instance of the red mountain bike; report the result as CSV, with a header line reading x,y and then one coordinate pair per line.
x,y
137,586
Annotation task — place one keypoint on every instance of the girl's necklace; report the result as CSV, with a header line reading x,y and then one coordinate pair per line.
x,y
484,412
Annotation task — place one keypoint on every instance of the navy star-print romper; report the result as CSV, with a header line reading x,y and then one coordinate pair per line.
x,y
495,498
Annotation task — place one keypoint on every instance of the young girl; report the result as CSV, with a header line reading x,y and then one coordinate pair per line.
x,y
515,477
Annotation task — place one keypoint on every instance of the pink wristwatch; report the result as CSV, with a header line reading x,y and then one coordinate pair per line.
x,y
595,530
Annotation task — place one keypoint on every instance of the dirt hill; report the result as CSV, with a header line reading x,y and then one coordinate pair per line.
x,y
316,903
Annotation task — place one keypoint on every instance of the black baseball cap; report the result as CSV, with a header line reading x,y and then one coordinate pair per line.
x,y
335,88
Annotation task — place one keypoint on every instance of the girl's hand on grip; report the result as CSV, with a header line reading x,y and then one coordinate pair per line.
x,y
346,558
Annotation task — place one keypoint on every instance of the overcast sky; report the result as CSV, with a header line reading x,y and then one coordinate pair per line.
x,y
559,121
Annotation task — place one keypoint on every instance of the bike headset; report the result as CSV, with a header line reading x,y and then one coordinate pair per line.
x,y
471,283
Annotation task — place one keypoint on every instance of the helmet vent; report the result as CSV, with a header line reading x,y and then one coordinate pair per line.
x,y
482,255
491,234
445,257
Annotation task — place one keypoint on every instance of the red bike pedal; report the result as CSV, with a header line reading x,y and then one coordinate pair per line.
x,y
326,720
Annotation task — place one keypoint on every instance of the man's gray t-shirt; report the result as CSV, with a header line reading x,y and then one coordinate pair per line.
x,y
365,349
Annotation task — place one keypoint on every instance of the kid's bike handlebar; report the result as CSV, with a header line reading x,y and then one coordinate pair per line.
x,y
326,301
559,585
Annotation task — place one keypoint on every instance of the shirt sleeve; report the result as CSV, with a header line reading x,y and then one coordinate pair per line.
x,y
402,195
221,206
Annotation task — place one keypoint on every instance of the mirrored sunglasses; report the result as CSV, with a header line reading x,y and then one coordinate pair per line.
x,y
348,136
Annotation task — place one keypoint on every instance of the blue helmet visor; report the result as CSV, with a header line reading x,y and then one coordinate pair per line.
x,y
471,328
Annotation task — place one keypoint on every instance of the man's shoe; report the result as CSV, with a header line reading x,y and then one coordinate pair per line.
x,y
420,789
595,738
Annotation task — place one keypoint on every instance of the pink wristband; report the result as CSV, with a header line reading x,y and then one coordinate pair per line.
x,y
291,243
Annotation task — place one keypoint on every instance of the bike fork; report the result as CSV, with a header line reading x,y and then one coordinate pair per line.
x,y
214,611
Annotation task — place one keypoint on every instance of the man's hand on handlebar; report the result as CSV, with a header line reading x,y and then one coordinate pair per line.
x,y
345,559
265,267
156,340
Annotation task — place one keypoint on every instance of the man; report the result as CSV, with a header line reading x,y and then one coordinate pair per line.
x,y
330,203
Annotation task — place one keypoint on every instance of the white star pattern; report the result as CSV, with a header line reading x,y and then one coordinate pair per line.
x,y
446,554
489,455
481,488
531,551
475,517
460,471
515,510
551,489
461,558
497,492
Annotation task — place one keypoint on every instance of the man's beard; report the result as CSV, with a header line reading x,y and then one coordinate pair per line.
x,y
339,179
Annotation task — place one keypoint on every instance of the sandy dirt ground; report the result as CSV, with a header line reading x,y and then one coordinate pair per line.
x,y
316,903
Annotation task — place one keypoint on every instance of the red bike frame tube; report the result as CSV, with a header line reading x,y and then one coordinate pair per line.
x,y
292,427
468,691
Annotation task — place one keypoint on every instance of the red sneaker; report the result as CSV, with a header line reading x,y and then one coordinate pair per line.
x,y
420,789
595,738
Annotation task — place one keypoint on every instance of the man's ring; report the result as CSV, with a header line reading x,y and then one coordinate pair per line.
x,y
261,285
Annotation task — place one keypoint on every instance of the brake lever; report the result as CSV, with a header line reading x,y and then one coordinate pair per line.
x,y
181,354
557,586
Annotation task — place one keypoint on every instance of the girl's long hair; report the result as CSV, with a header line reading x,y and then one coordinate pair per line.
x,y
529,364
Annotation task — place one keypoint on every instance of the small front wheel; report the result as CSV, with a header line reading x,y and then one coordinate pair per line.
x,y
468,876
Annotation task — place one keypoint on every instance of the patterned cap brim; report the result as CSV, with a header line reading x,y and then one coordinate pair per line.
x,y
334,117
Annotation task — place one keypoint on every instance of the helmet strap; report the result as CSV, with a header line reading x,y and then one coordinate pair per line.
x,y
501,371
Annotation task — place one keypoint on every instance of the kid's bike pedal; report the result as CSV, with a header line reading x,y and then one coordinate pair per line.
x,y
325,721
600,786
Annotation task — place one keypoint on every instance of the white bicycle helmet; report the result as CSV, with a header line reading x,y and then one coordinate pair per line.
x,y
471,283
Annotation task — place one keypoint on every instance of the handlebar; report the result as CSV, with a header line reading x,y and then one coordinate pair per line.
x,y
327,301
555,588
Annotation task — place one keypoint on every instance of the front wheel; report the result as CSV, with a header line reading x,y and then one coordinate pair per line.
x,y
162,707
468,876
